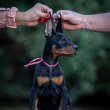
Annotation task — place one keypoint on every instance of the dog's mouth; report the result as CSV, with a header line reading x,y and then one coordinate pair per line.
x,y
67,51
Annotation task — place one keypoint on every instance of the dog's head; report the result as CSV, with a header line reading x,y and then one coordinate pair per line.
x,y
60,44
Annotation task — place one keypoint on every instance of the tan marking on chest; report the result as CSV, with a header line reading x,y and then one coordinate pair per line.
x,y
57,80
42,80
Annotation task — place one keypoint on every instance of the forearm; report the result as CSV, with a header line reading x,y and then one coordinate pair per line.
x,y
97,22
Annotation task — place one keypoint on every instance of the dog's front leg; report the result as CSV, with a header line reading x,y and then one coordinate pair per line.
x,y
36,102
65,99
70,108
33,97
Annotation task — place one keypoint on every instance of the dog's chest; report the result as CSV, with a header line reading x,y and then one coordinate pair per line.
x,y
49,82
43,75
49,95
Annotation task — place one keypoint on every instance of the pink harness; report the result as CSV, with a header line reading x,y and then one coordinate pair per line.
x,y
39,60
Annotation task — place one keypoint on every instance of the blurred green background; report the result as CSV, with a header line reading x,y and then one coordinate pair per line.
x,y
87,74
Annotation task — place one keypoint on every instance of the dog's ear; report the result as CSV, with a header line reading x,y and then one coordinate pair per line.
x,y
59,25
49,31
53,31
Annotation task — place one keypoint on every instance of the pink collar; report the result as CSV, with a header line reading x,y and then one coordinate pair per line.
x,y
37,61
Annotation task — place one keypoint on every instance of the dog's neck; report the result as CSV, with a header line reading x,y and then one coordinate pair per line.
x,y
48,56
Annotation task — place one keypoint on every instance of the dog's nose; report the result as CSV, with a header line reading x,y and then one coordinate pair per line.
x,y
75,47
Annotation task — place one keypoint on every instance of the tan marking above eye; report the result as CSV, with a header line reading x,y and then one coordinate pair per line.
x,y
57,80
42,80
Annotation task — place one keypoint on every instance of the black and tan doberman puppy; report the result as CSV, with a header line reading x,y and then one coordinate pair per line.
x,y
49,91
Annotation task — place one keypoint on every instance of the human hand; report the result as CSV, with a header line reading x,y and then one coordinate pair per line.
x,y
32,16
70,20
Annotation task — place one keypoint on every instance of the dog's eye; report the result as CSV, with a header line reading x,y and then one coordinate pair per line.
x,y
62,41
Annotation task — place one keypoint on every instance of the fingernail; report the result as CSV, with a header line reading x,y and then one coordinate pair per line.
x,y
47,15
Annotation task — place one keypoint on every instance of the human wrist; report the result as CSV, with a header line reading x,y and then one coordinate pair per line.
x,y
80,21
85,22
21,18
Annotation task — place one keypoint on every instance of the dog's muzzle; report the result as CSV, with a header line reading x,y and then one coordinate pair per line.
x,y
67,51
